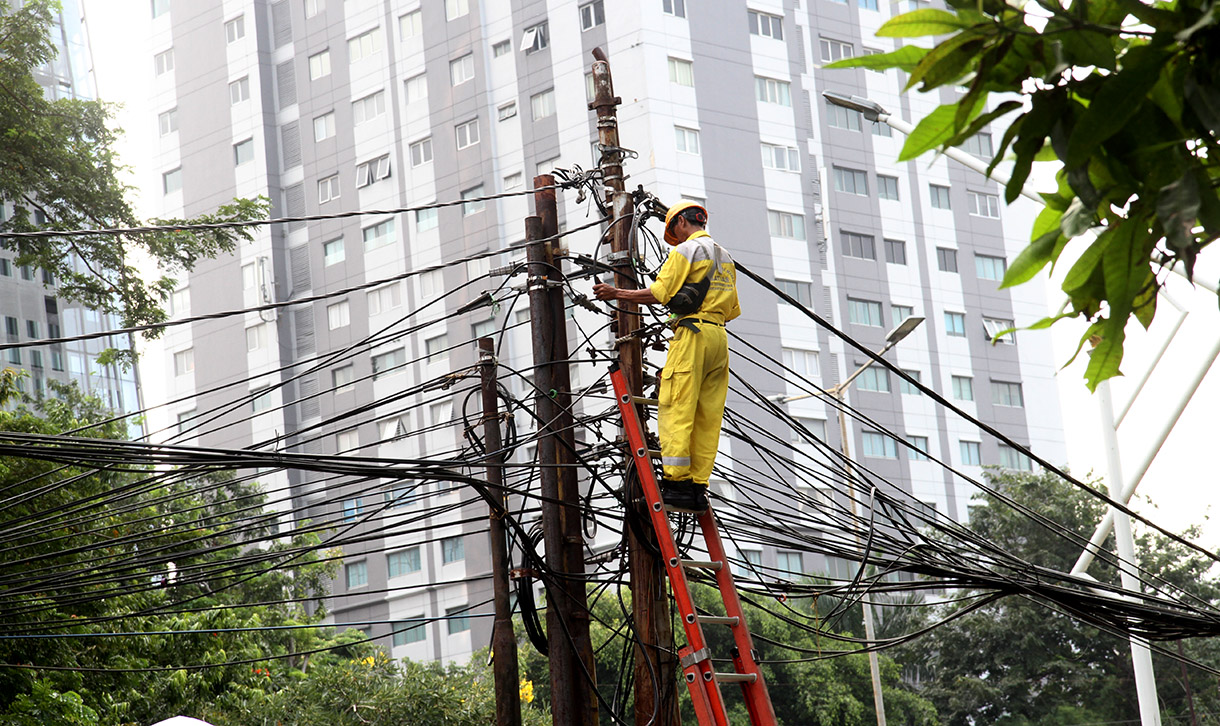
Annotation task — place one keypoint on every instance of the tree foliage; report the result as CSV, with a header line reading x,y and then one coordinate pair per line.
x,y
1018,662
59,171
1124,95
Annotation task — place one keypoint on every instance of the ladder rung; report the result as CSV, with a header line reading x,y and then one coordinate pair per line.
x,y
654,453
713,565
645,401
718,620
736,677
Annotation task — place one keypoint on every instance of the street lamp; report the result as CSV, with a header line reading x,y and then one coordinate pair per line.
x,y
892,338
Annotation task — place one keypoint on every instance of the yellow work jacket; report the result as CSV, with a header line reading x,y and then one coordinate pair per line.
x,y
692,261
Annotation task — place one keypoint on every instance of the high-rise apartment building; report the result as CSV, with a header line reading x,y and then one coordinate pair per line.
x,y
28,301
330,105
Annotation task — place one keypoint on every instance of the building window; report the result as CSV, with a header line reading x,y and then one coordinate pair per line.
x,y
243,151
946,259
357,574
1010,458
514,180
535,38
768,26
798,290
681,72
507,111
171,181
256,337
333,252
27,272
341,378
347,442
677,8
410,25
385,364
786,224
874,379
436,348
851,181
972,454
456,8
461,69
895,252
416,88
939,195
167,122
990,268
858,245
458,619
833,50
384,298
838,117
774,91
881,129
405,633
319,65
364,45
421,152
473,207
783,158
918,450
6,267
313,7
1004,393
887,187
368,108
328,188
979,145
338,315
955,324
592,14
867,4
864,312
908,388
879,446
963,388
324,127
184,362
260,400
180,302
235,29
687,140
239,90
504,47
543,104
164,62
808,427
789,565
453,549
1000,330
426,219
403,562
159,8
804,363
984,205
467,134
372,171
378,235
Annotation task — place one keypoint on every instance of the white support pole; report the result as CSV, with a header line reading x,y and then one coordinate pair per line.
x,y
1141,656
1128,489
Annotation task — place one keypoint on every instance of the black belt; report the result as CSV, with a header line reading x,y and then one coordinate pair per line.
x,y
689,323
704,320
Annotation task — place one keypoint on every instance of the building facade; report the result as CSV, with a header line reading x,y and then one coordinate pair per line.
x,y
326,106
30,307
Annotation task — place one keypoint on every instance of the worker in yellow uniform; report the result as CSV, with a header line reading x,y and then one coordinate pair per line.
x,y
698,283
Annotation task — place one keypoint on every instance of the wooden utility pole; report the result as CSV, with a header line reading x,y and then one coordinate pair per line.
x,y
656,694
503,640
573,696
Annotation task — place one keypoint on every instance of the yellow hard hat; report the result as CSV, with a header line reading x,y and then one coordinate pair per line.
x,y
672,214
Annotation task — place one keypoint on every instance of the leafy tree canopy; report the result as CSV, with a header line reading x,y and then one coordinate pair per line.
x,y
58,171
1124,95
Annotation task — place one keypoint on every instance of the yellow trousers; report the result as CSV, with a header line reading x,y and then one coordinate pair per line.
x,y
694,385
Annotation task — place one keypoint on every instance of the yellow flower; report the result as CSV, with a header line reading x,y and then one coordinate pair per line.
x,y
527,691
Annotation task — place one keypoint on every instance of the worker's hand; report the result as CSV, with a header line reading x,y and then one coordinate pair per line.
x,y
602,291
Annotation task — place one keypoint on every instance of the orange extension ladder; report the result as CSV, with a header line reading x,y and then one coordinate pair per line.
x,y
695,659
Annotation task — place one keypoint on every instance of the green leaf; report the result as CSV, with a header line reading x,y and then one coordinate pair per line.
x,y
946,62
1089,48
1083,269
1177,209
1077,219
1115,102
1204,99
978,124
1038,122
935,129
905,58
1031,259
918,23
1047,322
1047,221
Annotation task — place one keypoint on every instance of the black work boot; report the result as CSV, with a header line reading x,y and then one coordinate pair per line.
x,y
683,495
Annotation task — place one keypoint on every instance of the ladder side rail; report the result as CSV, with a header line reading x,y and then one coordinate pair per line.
x,y
704,675
758,701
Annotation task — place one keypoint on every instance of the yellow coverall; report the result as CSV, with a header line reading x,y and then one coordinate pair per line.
x,y
695,380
